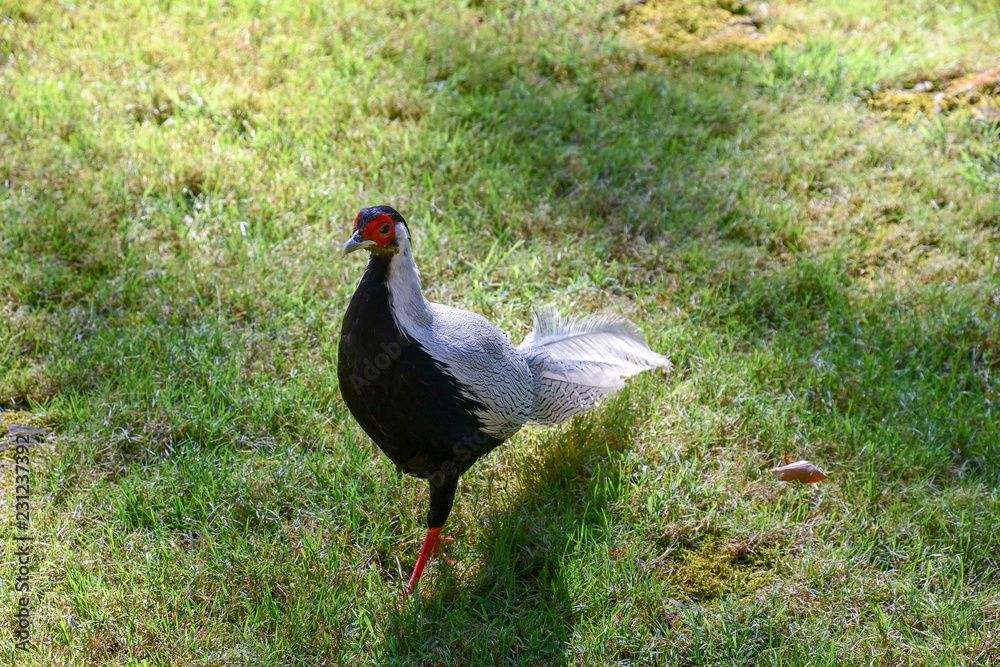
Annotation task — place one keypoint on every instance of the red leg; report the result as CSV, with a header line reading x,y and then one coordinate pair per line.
x,y
432,544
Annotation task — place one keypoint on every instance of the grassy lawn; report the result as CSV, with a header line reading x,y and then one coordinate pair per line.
x,y
799,202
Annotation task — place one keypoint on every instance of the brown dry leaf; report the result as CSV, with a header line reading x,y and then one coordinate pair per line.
x,y
801,471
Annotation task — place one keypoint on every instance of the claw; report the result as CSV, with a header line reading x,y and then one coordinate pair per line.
x,y
439,545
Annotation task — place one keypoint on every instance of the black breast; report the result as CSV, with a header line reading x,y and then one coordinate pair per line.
x,y
400,396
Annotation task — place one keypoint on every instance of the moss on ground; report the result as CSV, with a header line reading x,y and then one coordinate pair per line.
x,y
977,95
10,417
715,569
699,27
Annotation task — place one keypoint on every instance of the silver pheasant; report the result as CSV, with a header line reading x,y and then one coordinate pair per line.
x,y
437,388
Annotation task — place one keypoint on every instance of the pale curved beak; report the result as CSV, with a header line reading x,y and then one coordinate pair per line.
x,y
356,242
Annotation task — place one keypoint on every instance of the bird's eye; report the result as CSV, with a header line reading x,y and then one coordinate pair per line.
x,y
384,229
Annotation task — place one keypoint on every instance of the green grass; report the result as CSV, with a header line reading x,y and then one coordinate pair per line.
x,y
824,278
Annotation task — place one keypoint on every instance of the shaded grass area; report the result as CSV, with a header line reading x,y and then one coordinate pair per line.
x,y
824,279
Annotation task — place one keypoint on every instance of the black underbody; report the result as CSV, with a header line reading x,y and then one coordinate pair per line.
x,y
401,397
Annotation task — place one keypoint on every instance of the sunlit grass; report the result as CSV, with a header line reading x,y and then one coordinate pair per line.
x,y
823,277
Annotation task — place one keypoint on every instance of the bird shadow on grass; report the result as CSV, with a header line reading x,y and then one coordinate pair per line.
x,y
517,601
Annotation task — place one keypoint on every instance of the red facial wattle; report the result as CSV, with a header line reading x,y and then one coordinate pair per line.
x,y
381,230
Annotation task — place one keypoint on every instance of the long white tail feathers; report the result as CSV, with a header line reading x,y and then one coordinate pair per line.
x,y
576,363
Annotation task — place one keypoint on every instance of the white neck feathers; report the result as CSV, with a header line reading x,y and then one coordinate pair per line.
x,y
406,300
